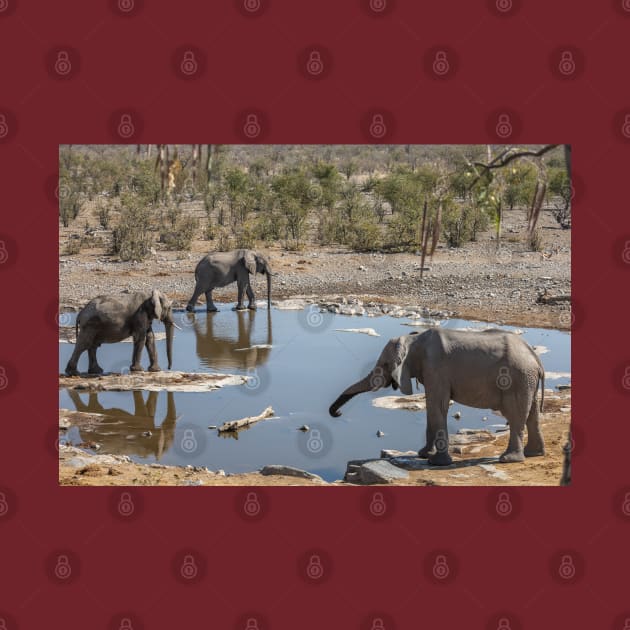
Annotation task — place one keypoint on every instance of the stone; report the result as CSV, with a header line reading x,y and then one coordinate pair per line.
x,y
304,428
379,434
288,471
380,471
457,415
388,453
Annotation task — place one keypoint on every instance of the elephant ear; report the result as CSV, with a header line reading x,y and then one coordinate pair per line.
x,y
156,300
249,260
401,372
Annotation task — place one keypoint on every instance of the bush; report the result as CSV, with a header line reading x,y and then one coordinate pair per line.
x,y
180,237
103,214
131,239
535,240
73,247
365,235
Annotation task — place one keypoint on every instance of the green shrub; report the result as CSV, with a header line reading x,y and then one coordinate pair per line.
x,y
131,239
181,235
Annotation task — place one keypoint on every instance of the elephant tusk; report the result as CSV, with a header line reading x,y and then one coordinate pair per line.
x,y
176,326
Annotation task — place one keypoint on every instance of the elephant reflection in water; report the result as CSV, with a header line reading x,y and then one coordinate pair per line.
x,y
217,349
113,432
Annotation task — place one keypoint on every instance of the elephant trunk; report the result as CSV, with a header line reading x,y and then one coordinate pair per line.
x,y
169,326
366,384
268,274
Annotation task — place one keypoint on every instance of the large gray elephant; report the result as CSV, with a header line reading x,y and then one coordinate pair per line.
x,y
493,369
218,269
112,318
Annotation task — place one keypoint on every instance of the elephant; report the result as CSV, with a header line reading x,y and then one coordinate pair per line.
x,y
113,430
112,318
220,348
493,369
218,269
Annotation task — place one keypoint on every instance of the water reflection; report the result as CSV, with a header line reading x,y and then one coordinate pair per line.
x,y
232,346
126,433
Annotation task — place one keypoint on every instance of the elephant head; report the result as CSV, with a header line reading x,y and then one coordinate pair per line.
x,y
255,263
162,310
392,368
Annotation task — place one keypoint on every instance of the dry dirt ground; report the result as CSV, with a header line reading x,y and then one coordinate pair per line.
x,y
477,281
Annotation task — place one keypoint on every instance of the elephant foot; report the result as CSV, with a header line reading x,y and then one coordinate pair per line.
x,y
212,309
190,308
252,307
440,459
136,368
95,370
512,456
70,371
534,452
425,452
155,368
240,307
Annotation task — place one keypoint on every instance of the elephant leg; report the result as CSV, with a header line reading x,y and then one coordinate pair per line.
x,y
241,289
138,343
210,307
514,450
139,406
150,345
535,441
429,447
437,408
79,348
190,307
94,367
251,304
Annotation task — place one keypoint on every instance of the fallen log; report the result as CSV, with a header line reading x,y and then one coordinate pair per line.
x,y
235,425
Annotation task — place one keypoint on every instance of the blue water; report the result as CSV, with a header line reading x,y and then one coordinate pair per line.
x,y
307,367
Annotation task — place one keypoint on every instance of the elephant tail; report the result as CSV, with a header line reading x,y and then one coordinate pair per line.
x,y
76,329
541,375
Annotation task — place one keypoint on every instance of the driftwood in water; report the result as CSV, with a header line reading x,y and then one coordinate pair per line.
x,y
235,425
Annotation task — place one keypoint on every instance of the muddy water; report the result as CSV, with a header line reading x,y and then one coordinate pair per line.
x,y
298,363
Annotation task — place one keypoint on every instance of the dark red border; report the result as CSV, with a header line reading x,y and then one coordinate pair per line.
x,y
502,59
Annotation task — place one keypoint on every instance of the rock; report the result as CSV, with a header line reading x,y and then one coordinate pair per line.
x,y
411,462
288,471
304,428
388,453
147,434
366,331
212,426
415,402
362,268
379,434
457,415
64,424
380,471
493,471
